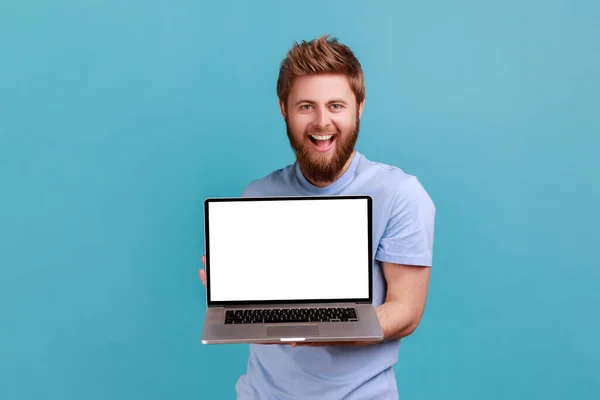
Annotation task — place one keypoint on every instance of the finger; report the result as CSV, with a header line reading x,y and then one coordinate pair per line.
x,y
313,344
202,275
203,258
279,343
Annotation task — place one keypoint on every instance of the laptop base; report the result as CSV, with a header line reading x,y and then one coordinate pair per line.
x,y
366,327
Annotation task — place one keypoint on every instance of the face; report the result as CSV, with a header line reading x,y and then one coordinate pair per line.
x,y
322,120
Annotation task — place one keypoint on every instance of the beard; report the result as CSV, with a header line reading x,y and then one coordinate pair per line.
x,y
323,167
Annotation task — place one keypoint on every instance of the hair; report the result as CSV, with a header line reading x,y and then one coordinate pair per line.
x,y
323,55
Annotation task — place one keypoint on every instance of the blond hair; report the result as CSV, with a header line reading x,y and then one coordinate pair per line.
x,y
324,55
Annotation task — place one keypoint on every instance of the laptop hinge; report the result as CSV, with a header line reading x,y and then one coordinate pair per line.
x,y
290,305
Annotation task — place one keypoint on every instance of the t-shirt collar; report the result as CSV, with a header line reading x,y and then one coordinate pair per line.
x,y
336,186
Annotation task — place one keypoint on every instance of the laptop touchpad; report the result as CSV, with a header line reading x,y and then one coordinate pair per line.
x,y
292,331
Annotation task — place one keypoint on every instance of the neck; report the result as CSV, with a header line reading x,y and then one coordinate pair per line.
x,y
320,184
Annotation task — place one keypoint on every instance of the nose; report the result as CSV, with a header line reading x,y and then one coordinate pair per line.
x,y
322,119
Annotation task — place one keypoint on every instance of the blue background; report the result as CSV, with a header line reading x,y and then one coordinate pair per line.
x,y
117,118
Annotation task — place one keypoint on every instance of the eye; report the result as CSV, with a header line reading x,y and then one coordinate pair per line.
x,y
337,106
305,107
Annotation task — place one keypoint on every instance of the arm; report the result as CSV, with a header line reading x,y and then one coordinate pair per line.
x,y
405,252
404,304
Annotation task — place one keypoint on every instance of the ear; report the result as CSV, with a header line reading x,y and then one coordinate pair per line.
x,y
282,108
360,109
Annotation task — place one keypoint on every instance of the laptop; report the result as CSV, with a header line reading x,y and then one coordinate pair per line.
x,y
289,269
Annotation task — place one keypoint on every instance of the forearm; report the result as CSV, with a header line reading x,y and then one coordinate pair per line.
x,y
404,304
397,319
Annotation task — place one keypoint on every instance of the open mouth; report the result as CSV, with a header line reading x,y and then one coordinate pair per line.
x,y
322,143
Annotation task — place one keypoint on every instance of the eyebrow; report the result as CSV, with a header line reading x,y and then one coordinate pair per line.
x,y
342,101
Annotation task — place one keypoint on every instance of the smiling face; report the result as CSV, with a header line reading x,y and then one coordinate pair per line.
x,y
322,119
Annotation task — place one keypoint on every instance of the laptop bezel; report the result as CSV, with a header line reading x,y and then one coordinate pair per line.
x,y
213,303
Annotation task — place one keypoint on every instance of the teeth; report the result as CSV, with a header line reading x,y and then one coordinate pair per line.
x,y
325,137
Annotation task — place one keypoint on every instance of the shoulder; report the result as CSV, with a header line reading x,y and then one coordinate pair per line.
x,y
268,184
397,185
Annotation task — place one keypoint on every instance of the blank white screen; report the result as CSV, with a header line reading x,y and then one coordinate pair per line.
x,y
288,249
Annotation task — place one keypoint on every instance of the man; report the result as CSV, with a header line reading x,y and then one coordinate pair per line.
x,y
321,95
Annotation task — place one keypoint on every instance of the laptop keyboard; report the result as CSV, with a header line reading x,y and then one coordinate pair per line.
x,y
283,315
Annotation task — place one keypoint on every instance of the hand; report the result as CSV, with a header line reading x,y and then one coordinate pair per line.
x,y
202,272
321,344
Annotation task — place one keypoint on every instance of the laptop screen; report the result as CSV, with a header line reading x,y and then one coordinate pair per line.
x,y
294,249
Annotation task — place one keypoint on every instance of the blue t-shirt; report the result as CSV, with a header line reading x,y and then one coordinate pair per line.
x,y
403,222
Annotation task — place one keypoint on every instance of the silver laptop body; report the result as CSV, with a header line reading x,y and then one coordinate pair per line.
x,y
289,269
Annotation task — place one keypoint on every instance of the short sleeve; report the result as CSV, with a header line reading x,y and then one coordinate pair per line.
x,y
408,236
